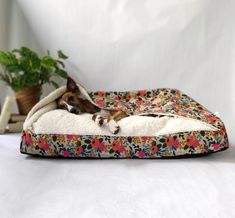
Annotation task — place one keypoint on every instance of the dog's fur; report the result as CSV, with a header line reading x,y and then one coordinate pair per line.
x,y
74,102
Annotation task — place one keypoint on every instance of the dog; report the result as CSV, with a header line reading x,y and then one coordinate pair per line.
x,y
75,102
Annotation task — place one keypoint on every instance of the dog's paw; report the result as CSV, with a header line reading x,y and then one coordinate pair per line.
x,y
98,119
113,127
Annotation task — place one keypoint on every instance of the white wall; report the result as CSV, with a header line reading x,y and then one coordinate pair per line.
x,y
15,32
136,44
4,15
4,11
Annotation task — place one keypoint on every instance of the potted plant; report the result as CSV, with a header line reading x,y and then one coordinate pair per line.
x,y
25,72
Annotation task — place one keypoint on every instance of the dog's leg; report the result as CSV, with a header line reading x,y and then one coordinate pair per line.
x,y
110,118
112,121
101,117
98,119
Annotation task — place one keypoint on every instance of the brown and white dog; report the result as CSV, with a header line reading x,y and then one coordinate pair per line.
x,y
75,102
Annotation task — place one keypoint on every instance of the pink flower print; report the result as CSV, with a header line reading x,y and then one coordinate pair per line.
x,y
145,138
65,153
192,142
97,144
148,103
142,93
71,137
116,102
127,106
128,96
101,146
140,102
101,94
100,103
154,149
211,118
28,139
116,98
117,146
215,146
141,154
188,110
43,145
79,150
172,142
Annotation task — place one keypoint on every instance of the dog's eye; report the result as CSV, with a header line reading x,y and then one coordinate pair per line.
x,y
61,106
70,98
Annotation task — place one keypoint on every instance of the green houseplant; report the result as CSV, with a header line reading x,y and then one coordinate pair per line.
x,y
25,72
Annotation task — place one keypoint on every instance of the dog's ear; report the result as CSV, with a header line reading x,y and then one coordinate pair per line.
x,y
72,86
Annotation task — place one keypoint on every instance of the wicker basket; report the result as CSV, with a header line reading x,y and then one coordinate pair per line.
x,y
26,98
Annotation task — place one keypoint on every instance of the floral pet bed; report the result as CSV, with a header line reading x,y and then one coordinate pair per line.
x,y
180,127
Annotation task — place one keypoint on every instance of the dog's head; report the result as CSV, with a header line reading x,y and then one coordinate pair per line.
x,y
70,100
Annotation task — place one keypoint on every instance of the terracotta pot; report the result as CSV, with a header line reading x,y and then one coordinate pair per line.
x,y
26,98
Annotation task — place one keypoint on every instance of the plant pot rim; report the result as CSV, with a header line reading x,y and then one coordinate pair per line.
x,y
26,98
28,88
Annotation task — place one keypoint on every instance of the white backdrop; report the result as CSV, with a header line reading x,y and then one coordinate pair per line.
x,y
136,44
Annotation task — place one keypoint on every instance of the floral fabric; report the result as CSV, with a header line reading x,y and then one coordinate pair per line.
x,y
158,101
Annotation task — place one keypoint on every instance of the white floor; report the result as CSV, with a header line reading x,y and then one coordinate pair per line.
x,y
33,187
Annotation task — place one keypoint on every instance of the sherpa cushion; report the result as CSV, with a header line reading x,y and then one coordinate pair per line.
x,y
182,127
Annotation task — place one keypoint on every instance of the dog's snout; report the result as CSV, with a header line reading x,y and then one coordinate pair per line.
x,y
74,110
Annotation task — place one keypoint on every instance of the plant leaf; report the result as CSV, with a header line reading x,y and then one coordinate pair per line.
x,y
61,55
7,58
24,68
61,73
54,84
48,61
13,68
61,63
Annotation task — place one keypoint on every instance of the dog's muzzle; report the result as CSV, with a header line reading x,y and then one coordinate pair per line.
x,y
74,110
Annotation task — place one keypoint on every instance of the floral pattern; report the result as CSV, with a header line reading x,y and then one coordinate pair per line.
x,y
158,101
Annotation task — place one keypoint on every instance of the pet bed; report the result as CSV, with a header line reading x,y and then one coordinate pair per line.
x,y
180,127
